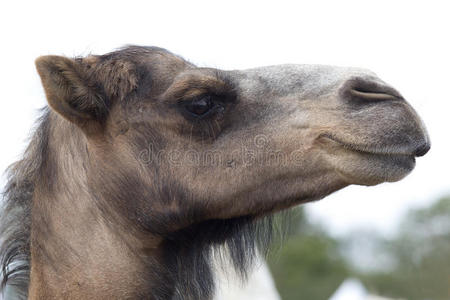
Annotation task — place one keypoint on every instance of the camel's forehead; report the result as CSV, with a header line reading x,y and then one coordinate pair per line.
x,y
291,78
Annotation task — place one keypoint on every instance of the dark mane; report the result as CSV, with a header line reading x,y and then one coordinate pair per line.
x,y
16,211
190,252
234,241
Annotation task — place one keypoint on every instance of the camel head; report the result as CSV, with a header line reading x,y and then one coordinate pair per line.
x,y
190,144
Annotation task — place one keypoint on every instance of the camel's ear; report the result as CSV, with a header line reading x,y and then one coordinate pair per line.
x,y
68,91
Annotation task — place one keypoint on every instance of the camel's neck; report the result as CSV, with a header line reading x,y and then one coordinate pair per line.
x,y
78,250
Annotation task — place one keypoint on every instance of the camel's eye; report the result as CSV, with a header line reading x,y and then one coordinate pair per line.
x,y
202,106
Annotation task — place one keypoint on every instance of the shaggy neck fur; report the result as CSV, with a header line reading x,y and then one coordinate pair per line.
x,y
55,225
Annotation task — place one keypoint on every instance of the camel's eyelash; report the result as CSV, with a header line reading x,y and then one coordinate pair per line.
x,y
213,104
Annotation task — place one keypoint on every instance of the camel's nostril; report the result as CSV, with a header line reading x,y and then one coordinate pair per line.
x,y
372,95
422,149
364,89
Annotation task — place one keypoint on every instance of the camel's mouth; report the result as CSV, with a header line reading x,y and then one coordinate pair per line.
x,y
368,165
386,150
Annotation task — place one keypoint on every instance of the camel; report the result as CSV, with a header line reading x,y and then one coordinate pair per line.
x,y
143,165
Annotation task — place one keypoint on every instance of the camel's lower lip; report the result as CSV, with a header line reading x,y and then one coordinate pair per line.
x,y
386,151
403,160
399,161
407,162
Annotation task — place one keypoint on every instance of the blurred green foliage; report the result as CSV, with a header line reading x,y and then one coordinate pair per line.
x,y
308,265
421,253
311,264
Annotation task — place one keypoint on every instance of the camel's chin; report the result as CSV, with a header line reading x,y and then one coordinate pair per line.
x,y
371,169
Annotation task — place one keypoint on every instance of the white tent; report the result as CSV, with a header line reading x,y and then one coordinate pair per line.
x,y
353,289
260,285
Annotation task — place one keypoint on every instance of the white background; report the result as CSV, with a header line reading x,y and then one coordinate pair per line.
x,y
405,42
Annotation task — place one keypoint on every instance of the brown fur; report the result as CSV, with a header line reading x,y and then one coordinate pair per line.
x,y
125,192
